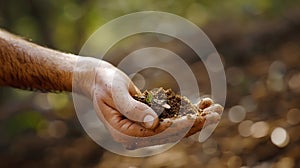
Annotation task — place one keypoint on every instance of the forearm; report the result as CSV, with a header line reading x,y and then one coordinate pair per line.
x,y
25,65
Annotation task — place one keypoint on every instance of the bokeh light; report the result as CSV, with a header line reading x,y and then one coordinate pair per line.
x,y
259,129
286,162
245,128
57,129
280,137
57,101
234,161
294,82
293,116
237,113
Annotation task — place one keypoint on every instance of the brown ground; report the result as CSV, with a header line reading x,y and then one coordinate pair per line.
x,y
249,50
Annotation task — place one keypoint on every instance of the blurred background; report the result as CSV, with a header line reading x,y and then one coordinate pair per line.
x,y
259,42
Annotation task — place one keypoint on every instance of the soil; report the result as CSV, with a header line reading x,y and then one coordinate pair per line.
x,y
167,104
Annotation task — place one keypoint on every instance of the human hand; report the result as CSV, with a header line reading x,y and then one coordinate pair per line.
x,y
172,130
114,104
133,123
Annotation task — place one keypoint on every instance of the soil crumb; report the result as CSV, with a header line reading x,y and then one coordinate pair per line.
x,y
167,104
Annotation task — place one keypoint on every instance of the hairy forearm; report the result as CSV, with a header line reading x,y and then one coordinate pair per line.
x,y
25,65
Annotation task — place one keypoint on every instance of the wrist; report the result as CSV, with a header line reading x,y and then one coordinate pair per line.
x,y
85,73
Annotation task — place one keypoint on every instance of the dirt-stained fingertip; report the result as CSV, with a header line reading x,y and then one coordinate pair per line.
x,y
205,102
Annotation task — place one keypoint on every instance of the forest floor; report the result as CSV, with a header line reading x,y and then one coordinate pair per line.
x,y
262,65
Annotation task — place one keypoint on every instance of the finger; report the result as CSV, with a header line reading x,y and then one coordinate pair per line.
x,y
107,115
134,136
140,111
205,102
179,129
133,109
121,125
133,90
214,108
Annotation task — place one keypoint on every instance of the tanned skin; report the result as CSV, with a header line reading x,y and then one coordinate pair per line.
x,y
26,65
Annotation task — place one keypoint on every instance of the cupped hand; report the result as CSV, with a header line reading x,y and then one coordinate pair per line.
x,y
132,123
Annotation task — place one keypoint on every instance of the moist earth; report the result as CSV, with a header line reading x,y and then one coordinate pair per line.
x,y
167,104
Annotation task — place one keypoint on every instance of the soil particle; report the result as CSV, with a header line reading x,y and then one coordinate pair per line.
x,y
167,104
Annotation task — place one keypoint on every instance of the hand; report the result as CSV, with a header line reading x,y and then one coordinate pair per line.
x,y
133,123
173,130
114,104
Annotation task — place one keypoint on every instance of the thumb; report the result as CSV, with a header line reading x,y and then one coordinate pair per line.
x,y
142,112
132,109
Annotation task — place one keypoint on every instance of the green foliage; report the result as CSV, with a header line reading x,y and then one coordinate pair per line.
x,y
23,121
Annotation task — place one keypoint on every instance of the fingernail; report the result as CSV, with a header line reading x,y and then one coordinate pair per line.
x,y
148,121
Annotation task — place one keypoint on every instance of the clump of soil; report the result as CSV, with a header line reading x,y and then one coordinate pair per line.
x,y
167,104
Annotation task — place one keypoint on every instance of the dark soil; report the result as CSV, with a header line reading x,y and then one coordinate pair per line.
x,y
167,104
